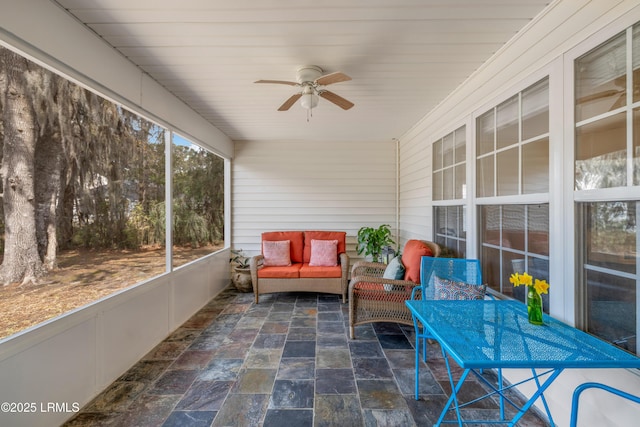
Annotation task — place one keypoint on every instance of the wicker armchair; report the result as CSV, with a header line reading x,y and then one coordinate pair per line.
x,y
373,298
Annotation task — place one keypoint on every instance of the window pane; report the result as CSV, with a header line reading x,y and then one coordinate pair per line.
x,y
636,63
513,263
448,226
437,155
507,123
601,79
490,225
490,260
513,227
535,167
636,147
447,190
611,238
507,172
601,154
447,150
437,185
484,177
608,234
535,110
538,229
460,183
198,201
611,309
506,226
462,218
484,133
460,144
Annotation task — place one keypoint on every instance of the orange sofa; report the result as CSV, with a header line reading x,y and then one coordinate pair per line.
x,y
309,269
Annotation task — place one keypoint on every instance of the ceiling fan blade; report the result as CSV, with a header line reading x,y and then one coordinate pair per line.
x,y
336,77
279,82
336,99
289,102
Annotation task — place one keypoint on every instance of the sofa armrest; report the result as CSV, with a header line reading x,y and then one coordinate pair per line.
x,y
366,268
343,262
255,263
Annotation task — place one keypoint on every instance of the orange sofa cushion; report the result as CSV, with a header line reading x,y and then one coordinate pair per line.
x,y
412,255
340,236
322,272
287,272
295,237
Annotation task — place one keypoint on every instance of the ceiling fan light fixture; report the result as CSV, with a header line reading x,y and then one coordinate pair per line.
x,y
309,101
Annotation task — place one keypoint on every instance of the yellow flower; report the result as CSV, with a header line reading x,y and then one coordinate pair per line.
x,y
514,279
520,279
541,286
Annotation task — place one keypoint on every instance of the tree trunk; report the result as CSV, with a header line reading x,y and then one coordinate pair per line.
x,y
21,260
47,189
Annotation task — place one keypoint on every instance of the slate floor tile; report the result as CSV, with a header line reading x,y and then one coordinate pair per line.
x,y
292,394
335,381
333,409
205,396
288,417
299,349
221,370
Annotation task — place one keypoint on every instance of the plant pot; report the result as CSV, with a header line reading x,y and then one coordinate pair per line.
x,y
241,279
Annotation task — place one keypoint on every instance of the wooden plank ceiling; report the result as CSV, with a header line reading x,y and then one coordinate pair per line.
x,y
404,56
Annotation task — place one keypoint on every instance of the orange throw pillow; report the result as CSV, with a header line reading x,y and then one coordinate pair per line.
x,y
412,255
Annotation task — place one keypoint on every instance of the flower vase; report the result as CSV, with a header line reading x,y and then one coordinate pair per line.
x,y
534,307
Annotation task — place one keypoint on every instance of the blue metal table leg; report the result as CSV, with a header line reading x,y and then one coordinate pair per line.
x,y
455,388
539,393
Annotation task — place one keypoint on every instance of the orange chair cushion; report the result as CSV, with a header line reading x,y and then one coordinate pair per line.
x,y
321,272
412,255
340,236
295,237
288,272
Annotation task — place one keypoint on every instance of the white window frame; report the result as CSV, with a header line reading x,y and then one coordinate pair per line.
x,y
573,197
557,243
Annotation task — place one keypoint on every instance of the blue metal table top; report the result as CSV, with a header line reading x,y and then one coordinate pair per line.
x,y
497,334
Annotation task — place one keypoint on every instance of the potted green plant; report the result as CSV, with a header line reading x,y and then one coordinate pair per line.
x,y
241,275
371,241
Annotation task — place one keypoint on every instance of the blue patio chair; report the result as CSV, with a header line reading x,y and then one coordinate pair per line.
x,y
583,387
442,273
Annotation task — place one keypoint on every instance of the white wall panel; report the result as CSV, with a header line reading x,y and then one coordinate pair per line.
x,y
140,321
190,290
292,185
61,369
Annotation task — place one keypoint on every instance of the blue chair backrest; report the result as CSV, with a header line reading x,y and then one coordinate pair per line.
x,y
456,269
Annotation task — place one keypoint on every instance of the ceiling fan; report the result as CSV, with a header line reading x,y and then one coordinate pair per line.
x,y
311,81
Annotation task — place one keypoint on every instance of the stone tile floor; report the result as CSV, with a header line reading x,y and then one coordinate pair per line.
x,y
287,361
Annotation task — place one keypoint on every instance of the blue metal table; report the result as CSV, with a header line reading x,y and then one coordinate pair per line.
x,y
495,334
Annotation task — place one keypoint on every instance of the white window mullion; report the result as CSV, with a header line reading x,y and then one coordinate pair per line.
x,y
520,159
168,194
629,89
